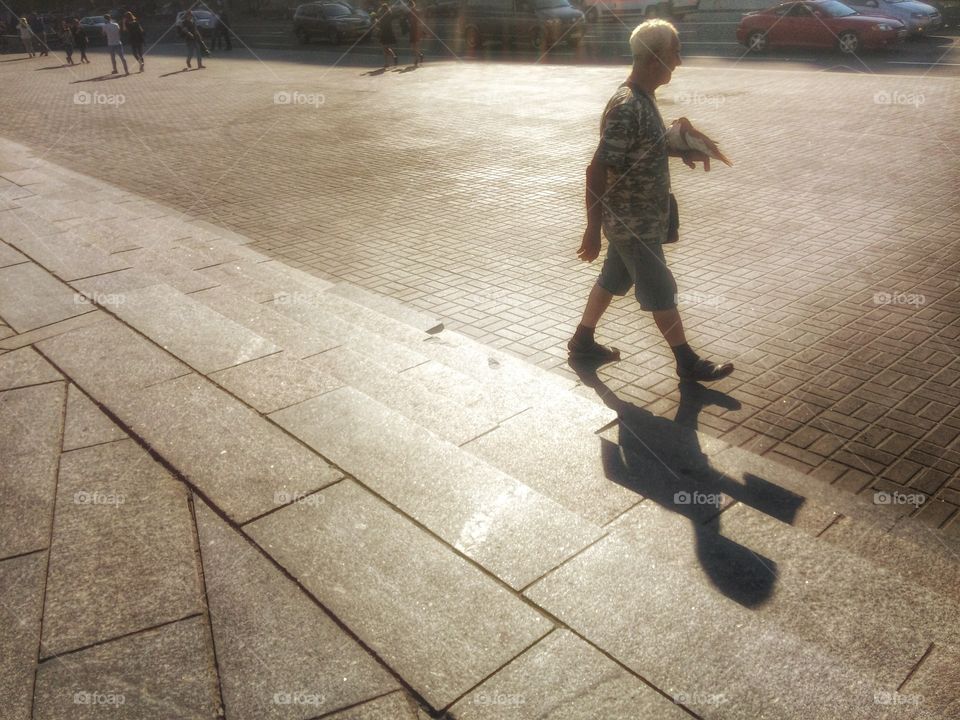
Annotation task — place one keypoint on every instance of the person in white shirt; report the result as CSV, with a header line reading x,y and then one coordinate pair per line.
x,y
26,36
112,31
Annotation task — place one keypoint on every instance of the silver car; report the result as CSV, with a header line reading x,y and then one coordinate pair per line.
x,y
919,17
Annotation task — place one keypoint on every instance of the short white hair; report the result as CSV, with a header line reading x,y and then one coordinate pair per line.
x,y
652,38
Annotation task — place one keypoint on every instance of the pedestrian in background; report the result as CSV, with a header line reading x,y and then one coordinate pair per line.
x,y
388,38
416,33
79,39
39,30
135,36
221,34
114,44
191,35
26,36
66,37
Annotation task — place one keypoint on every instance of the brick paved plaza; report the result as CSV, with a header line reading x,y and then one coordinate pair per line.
x,y
334,509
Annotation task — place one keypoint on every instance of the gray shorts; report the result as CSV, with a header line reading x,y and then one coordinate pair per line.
x,y
644,267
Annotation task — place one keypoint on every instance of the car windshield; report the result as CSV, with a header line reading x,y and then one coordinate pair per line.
x,y
547,4
836,9
336,10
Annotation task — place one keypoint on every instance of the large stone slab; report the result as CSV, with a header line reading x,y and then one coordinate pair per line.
x,y
68,257
110,361
515,532
198,335
279,654
465,390
388,306
84,423
31,421
442,416
935,686
266,322
395,706
262,281
25,367
243,463
14,341
31,298
10,256
122,557
155,675
156,270
702,617
437,620
21,606
276,381
564,678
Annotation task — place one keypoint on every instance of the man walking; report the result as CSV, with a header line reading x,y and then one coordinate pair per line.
x,y
112,31
628,196
221,34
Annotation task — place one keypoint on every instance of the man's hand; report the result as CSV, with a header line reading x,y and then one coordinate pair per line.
x,y
692,157
590,247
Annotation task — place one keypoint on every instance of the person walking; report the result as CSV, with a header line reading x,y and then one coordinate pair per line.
x,y
79,39
112,31
221,34
416,33
26,36
66,38
135,36
628,197
191,35
387,37
39,29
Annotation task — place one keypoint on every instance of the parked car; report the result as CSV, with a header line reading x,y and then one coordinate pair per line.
x,y
919,17
333,21
541,23
818,24
949,11
635,9
92,27
205,20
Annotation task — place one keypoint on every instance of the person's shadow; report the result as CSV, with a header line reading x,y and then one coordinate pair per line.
x,y
662,460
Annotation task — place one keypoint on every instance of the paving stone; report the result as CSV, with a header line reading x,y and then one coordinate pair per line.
x,y
110,361
31,298
122,557
515,532
465,390
21,606
31,422
155,675
293,337
440,415
438,621
68,257
279,654
243,463
196,334
85,424
276,381
562,677
280,281
934,686
10,256
25,367
395,706
388,306
14,341
670,602
159,272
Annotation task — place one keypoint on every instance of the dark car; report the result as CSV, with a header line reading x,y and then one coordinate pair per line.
x,y
539,23
818,24
949,11
332,21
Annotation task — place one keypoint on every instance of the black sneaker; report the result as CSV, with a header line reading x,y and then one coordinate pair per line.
x,y
592,350
705,371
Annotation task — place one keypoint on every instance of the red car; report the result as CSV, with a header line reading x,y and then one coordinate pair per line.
x,y
818,24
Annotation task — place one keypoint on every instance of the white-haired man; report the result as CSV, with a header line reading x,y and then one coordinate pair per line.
x,y
628,196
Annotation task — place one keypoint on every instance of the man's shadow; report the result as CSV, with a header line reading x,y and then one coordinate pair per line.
x,y
662,460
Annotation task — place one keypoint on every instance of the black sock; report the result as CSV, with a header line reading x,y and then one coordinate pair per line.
x,y
583,334
686,358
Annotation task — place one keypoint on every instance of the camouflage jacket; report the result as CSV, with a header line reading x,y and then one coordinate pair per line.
x,y
633,146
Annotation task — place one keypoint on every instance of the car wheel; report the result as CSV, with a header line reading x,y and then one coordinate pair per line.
x,y
302,36
757,41
472,37
848,42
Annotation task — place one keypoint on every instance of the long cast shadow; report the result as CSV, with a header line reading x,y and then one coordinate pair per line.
x,y
663,461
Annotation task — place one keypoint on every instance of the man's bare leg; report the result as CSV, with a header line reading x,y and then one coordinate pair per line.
x,y
582,345
690,366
